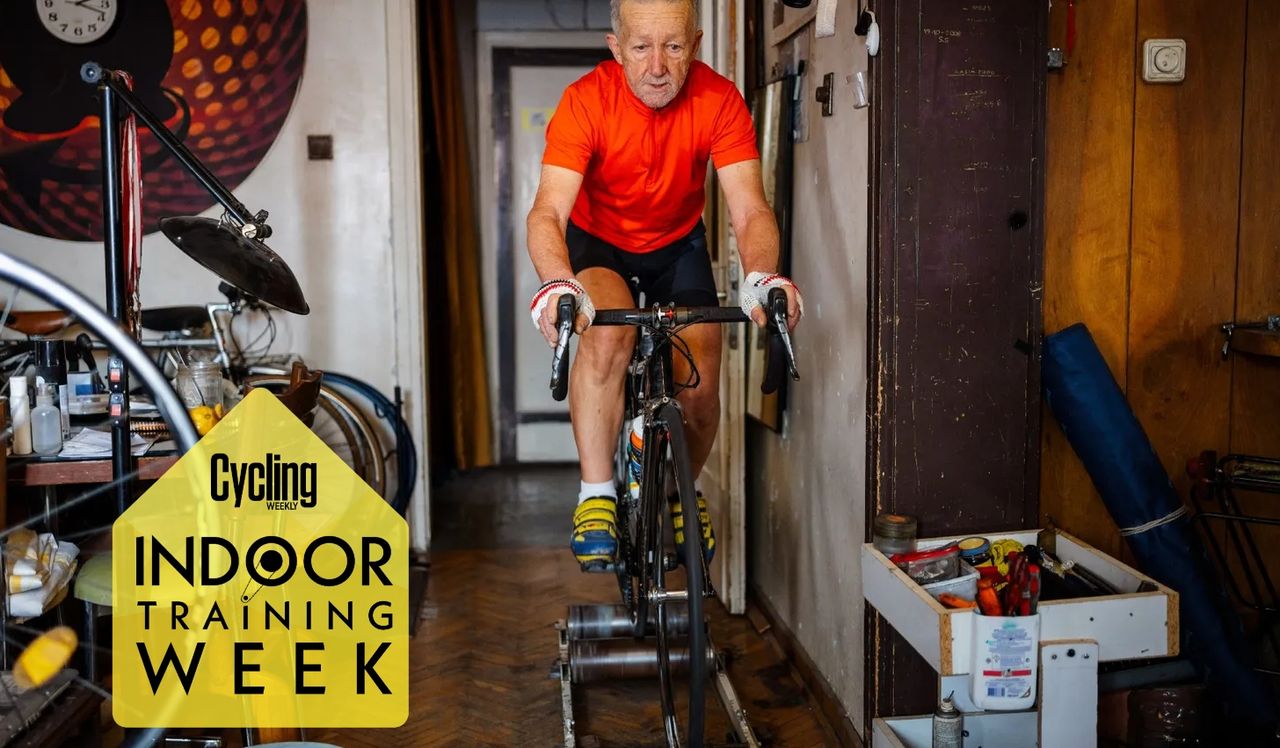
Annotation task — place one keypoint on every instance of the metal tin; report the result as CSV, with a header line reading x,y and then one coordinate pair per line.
x,y
975,551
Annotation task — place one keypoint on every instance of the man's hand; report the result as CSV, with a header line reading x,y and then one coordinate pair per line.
x,y
543,308
755,294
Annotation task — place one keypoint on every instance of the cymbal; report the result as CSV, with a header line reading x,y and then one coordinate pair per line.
x,y
245,263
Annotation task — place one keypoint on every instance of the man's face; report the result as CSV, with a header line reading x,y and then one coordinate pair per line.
x,y
655,44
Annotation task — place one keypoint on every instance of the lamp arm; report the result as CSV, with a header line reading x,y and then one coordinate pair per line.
x,y
95,74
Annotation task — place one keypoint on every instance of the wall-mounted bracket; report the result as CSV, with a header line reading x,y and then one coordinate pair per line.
x,y
826,94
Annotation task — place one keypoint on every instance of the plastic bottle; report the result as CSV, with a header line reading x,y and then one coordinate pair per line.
x,y
51,368
635,449
46,423
948,725
20,414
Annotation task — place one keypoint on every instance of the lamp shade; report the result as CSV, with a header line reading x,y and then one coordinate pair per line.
x,y
245,263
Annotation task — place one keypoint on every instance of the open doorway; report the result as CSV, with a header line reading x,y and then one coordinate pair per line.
x,y
521,79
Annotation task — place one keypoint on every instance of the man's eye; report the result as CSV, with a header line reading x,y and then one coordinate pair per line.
x,y
640,47
674,47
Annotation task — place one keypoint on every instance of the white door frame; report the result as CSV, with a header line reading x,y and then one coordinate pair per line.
x,y
404,131
723,23
487,171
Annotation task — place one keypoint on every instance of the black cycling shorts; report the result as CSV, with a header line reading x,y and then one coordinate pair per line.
x,y
679,273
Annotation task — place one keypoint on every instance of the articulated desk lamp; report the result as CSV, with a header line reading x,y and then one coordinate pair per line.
x,y
231,248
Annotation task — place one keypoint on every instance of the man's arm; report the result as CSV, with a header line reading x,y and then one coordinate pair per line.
x,y
557,191
754,223
755,227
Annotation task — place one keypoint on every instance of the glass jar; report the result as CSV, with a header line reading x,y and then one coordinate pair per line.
x,y
200,384
894,533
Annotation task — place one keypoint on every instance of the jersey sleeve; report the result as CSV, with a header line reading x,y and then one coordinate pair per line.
x,y
570,141
734,138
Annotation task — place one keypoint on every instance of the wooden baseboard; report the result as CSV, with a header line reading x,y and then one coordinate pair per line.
x,y
771,626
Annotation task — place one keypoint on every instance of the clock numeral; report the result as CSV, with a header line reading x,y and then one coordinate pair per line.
x,y
93,27
48,3
78,31
53,17
64,27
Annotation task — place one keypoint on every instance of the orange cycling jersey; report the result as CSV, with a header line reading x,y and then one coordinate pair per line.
x,y
643,169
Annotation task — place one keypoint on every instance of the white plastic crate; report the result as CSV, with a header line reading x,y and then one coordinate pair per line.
x,y
1129,625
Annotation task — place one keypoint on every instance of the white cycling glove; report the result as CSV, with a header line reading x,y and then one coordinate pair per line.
x,y
755,291
553,289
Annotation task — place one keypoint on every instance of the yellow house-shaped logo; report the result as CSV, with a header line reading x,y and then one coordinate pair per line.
x,y
260,583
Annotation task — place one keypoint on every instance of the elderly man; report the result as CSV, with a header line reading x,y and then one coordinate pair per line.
x,y
621,197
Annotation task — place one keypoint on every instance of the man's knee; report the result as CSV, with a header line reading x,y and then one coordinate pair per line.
x,y
603,352
701,405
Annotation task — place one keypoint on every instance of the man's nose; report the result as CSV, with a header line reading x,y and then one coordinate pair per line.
x,y
657,65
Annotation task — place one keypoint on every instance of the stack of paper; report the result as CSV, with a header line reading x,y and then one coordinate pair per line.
x,y
93,443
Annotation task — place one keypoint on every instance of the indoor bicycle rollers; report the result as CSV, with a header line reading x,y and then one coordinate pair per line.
x,y
596,645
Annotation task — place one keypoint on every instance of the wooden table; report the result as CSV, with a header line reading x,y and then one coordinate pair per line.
x,y
59,472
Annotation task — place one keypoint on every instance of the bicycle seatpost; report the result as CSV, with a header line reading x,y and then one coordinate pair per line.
x,y
566,310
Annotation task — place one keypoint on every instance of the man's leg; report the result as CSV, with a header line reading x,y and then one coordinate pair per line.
x,y
596,382
595,405
702,417
702,403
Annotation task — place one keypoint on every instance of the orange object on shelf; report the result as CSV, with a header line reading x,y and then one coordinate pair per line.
x,y
955,601
988,602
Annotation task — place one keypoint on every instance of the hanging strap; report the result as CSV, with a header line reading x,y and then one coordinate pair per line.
x,y
1126,532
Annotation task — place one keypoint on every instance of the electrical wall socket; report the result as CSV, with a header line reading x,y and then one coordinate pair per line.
x,y
1164,60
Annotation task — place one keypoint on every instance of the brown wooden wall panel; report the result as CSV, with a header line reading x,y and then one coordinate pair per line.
x,y
1185,217
1089,173
957,278
1255,391
1255,411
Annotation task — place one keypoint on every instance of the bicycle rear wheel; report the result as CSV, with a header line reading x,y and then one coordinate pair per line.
x,y
692,716
342,426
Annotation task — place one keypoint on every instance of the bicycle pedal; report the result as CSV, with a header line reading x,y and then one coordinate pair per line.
x,y
599,567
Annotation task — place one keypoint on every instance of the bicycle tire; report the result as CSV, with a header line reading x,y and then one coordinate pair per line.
x,y
364,444
695,578
404,449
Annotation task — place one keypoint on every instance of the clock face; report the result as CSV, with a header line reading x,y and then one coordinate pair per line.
x,y
77,21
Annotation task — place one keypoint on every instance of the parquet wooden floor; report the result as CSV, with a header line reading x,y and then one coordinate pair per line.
x,y
484,649
480,661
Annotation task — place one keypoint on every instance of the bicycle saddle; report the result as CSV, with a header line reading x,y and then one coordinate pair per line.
x,y
174,318
39,323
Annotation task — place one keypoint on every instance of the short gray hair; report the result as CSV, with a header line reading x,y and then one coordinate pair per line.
x,y
615,10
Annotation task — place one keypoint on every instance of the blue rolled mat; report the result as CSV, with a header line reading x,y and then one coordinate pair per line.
x,y
1097,420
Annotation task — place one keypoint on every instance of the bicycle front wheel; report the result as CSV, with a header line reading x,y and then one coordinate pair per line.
x,y
691,715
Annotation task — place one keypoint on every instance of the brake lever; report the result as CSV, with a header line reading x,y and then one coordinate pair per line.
x,y
778,306
566,311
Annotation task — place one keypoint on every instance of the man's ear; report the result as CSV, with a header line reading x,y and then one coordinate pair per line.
x,y
614,47
697,41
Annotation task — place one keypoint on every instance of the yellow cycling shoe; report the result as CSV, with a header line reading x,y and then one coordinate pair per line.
x,y
595,533
704,518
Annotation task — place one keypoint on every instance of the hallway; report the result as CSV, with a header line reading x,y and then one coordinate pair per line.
x,y
500,577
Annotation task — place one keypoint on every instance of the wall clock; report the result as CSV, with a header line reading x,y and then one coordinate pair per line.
x,y
77,21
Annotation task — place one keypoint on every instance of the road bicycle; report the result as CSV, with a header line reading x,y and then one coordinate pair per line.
x,y
354,419
643,561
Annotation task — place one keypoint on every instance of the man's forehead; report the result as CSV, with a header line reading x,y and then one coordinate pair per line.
x,y
627,10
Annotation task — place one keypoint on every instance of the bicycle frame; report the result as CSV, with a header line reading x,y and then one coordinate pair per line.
x,y
220,316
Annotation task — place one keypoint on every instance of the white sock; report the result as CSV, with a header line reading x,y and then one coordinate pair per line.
x,y
591,490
